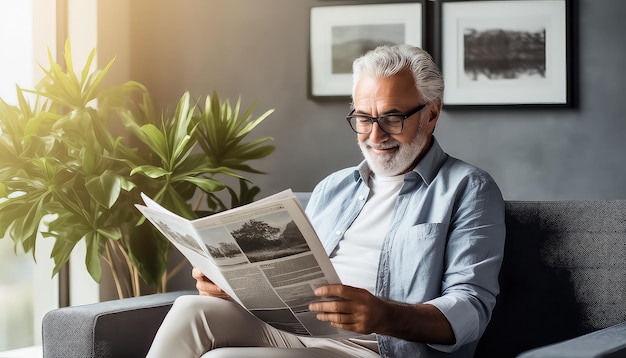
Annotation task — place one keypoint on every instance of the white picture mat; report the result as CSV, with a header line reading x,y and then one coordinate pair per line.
x,y
323,19
509,15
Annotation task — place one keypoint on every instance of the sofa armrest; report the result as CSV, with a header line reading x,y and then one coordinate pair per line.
x,y
119,328
609,342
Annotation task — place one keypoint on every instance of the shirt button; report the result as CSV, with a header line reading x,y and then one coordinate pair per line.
x,y
361,197
338,233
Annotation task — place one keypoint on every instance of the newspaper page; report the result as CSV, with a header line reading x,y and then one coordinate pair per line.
x,y
265,255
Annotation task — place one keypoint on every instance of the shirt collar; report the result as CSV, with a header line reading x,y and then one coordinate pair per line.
x,y
427,168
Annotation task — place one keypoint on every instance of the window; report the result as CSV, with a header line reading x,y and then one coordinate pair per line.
x,y
28,29
26,290
16,36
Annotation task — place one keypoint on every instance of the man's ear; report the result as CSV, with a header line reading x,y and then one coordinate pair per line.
x,y
435,109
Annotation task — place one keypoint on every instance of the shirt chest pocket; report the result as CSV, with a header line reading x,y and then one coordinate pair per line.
x,y
416,262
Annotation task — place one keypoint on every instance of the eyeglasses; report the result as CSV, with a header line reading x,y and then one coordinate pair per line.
x,y
388,123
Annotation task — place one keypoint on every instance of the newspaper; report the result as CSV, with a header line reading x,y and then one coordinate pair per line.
x,y
265,255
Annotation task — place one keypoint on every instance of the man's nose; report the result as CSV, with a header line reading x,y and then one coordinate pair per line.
x,y
377,135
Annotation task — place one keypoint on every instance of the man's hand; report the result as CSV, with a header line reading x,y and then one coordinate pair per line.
x,y
357,310
350,308
206,287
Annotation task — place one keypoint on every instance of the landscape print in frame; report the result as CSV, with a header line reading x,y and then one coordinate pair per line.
x,y
505,52
341,33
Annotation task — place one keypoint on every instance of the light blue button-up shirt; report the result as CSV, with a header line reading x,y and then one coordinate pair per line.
x,y
444,245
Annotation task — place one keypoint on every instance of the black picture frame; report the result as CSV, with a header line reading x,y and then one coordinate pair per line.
x,y
341,33
521,52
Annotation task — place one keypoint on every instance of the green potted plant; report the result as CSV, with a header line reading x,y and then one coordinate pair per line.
x,y
75,156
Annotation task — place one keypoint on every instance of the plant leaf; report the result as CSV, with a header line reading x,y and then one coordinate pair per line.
x,y
92,257
151,171
105,189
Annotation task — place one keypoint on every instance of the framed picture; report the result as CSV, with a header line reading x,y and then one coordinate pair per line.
x,y
340,34
506,52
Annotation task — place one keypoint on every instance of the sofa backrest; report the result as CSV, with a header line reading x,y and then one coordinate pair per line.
x,y
563,274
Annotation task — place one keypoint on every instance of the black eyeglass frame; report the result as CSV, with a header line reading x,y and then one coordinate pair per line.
x,y
377,120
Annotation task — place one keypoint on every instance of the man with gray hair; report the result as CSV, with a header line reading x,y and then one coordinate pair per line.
x,y
416,236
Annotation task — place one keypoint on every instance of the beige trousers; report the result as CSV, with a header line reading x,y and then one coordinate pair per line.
x,y
199,326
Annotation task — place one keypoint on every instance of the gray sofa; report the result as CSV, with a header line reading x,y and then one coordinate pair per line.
x,y
563,293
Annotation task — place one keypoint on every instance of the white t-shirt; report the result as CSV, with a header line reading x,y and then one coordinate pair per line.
x,y
356,257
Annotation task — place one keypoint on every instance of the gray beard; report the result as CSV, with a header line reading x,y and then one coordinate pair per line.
x,y
393,163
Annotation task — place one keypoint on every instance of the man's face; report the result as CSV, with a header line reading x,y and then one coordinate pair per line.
x,y
393,154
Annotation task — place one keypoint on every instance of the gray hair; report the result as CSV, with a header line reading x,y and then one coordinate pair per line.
x,y
386,61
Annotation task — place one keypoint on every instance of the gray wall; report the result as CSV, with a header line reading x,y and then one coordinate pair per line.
x,y
258,49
